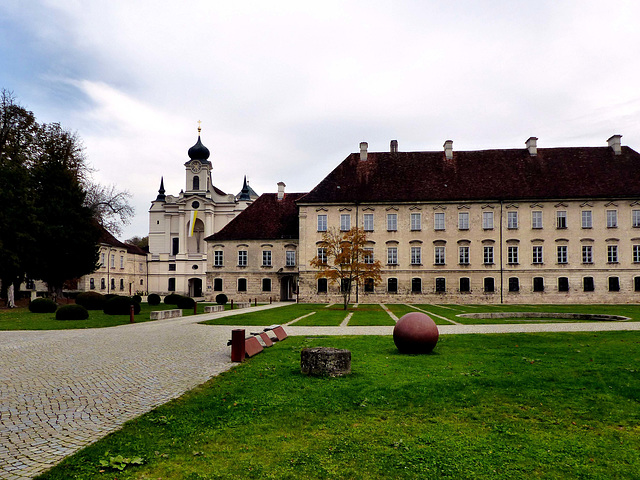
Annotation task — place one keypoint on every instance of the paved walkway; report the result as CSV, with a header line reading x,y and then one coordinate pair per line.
x,y
62,390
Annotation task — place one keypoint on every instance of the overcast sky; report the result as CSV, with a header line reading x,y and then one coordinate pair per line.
x,y
286,90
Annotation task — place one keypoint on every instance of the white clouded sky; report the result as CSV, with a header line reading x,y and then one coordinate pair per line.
x,y
287,89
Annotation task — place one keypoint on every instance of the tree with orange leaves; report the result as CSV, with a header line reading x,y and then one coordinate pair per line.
x,y
343,259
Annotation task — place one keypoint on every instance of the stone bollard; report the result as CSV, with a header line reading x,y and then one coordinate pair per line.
x,y
325,362
231,304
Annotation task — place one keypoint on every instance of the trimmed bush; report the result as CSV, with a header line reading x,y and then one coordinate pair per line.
x,y
221,299
186,303
120,306
153,299
72,312
137,298
110,295
42,305
91,300
172,299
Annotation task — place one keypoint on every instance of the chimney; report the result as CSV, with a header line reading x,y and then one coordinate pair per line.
x,y
393,148
448,149
363,151
532,146
281,186
615,144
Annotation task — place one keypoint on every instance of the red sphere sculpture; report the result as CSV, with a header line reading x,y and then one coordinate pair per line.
x,y
415,332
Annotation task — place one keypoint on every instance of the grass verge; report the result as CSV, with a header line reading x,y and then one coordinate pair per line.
x,y
480,407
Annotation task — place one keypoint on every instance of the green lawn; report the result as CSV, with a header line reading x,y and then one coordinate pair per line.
x,y
480,407
22,319
370,314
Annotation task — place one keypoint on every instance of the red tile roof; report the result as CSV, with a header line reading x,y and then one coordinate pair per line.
x,y
266,218
554,173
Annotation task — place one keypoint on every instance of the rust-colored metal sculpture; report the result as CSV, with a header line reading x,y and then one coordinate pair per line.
x,y
415,332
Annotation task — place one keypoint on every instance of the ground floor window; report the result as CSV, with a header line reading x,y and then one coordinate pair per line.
x,y
172,285
489,285
121,284
92,284
266,284
242,284
217,284
538,284
441,285
416,285
392,285
465,285
322,285
103,284
113,284
514,284
588,285
345,285
563,284
141,281
614,284
636,284
368,285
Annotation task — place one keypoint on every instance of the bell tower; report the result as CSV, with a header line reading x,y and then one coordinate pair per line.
x,y
198,168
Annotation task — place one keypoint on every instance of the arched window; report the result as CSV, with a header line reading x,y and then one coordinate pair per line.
x,y
196,183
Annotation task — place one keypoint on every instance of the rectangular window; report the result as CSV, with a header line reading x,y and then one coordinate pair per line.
x,y
612,218
242,284
464,255
175,246
537,254
538,284
92,284
266,284
392,255
368,255
218,258
217,284
635,218
392,285
587,220
140,267
172,285
416,285
172,267
103,260
463,221
512,255
612,253
439,256
416,255
322,223
103,284
113,261
345,222
614,284
465,285
489,285
488,255
636,253
416,221
368,222
561,219
512,220
487,220
587,254
368,285
514,284
392,222
441,285
345,285
536,219
322,255
243,255
290,260
121,261
563,284
322,285
587,284
562,254
438,222
266,258
636,284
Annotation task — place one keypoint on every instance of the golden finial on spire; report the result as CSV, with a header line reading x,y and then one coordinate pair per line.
x,y
199,128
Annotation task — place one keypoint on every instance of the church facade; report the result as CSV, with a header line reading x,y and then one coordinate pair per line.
x,y
530,225
178,226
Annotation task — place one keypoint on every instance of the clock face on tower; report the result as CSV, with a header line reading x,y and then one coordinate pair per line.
x,y
196,166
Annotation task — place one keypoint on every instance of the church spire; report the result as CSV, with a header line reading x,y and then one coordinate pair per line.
x,y
161,196
244,193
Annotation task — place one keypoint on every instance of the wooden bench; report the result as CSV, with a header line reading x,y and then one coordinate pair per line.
x,y
162,314
213,308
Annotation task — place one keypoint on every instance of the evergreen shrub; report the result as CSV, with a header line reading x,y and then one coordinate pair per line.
x,y
153,299
91,300
120,306
137,298
172,299
72,312
186,303
42,305
221,299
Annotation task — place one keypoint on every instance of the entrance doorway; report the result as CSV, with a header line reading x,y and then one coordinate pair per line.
x,y
287,288
195,287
